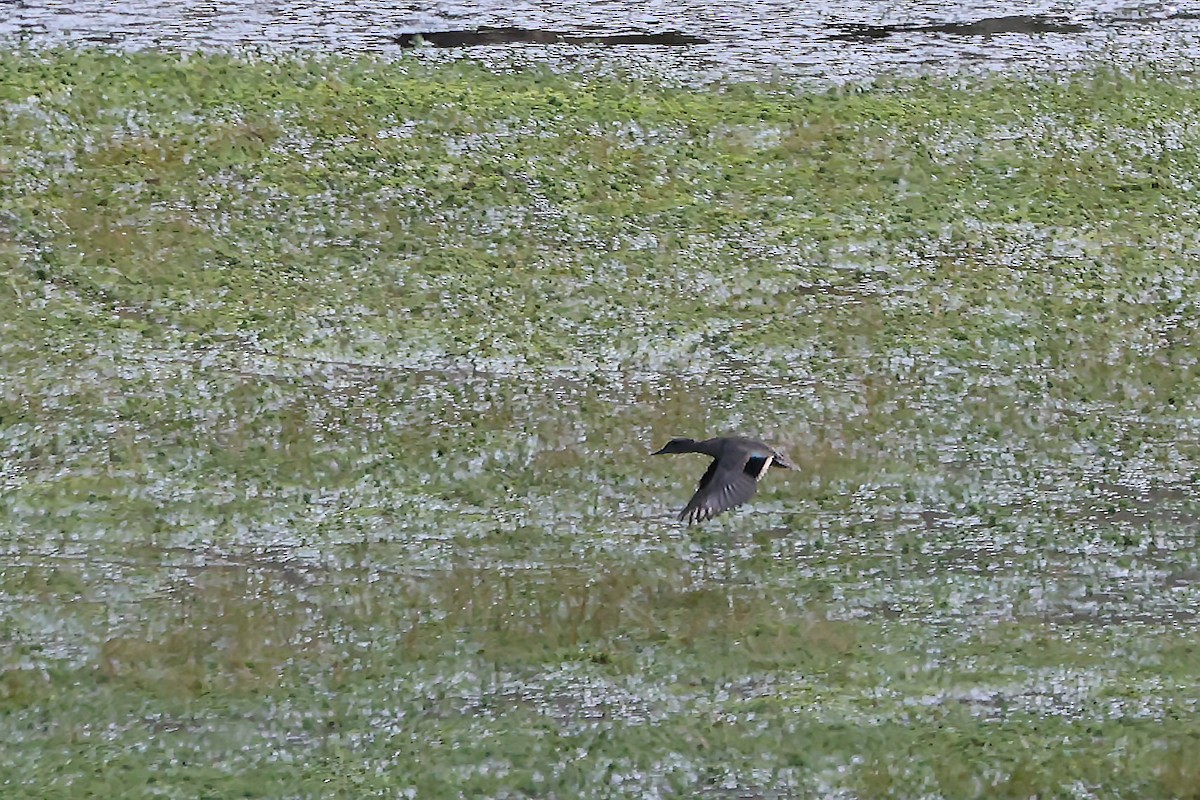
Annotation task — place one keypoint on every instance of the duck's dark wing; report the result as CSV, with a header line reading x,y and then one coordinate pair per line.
x,y
722,487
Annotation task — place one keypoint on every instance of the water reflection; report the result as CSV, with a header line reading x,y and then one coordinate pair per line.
x,y
747,40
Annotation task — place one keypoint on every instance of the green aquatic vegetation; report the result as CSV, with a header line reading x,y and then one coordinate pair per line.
x,y
327,387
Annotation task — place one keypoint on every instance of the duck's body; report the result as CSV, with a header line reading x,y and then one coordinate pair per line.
x,y
732,477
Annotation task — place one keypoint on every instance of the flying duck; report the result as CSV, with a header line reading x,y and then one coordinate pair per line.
x,y
738,464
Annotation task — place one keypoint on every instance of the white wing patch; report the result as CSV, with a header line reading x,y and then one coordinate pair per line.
x,y
765,467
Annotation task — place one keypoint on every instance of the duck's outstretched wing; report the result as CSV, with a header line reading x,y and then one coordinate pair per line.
x,y
720,489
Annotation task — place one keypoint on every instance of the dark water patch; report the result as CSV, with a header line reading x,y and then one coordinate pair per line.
x,y
991,26
1158,507
486,36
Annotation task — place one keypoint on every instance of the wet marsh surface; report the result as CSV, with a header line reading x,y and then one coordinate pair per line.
x,y
327,387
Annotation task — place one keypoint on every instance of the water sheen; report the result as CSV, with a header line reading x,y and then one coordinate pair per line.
x,y
748,40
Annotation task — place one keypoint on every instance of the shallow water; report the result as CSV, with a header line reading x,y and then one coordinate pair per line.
x,y
749,40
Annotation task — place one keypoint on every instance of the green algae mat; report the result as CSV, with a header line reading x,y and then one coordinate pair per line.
x,y
327,388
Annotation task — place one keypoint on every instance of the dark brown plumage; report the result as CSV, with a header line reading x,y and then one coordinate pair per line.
x,y
738,464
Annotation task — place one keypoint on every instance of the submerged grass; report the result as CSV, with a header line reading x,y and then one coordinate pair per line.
x,y
326,387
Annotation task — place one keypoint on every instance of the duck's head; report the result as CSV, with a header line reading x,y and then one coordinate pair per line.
x,y
782,461
677,446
